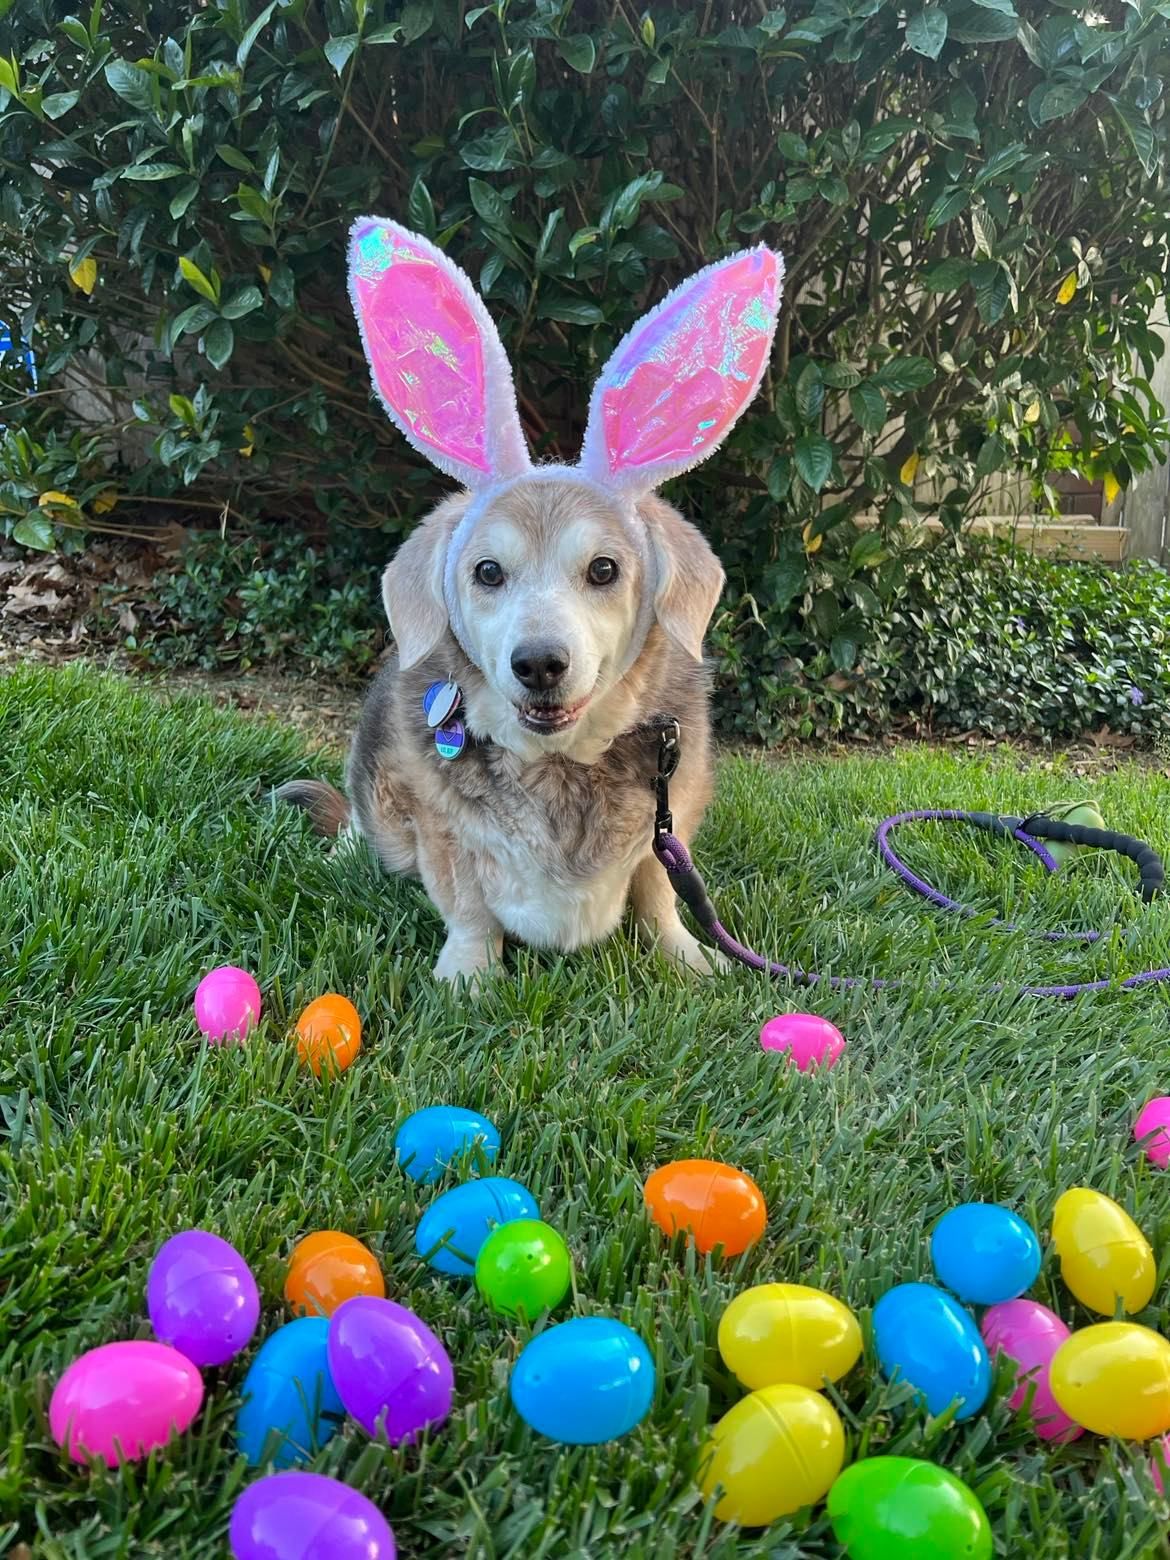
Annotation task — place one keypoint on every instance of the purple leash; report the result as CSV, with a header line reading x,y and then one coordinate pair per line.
x,y
690,888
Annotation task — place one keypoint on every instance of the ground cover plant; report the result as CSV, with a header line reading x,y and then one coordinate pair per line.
x,y
137,849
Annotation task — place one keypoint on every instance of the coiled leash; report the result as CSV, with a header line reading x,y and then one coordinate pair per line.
x,y
1030,832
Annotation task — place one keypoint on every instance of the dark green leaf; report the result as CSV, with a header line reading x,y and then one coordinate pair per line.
x,y
992,290
1005,6
149,173
1054,101
810,393
793,148
779,478
59,103
902,374
983,26
420,208
241,303
868,406
579,52
949,204
840,376
218,343
570,310
867,550
253,33
945,275
183,197
489,204
134,86
813,455
234,159
338,50
927,31
36,532
843,651
417,16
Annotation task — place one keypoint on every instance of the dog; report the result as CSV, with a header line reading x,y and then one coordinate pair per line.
x,y
545,617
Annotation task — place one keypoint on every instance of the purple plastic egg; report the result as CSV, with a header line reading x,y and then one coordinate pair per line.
x,y
306,1516
202,1297
119,1402
227,1004
390,1371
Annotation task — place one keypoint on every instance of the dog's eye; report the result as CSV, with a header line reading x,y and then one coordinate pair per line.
x,y
488,572
602,571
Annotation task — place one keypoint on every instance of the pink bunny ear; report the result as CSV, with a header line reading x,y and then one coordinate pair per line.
x,y
676,385
435,356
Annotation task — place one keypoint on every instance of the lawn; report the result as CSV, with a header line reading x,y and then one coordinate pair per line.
x,y
138,849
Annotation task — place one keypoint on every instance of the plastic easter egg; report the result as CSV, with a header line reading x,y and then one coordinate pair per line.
x,y
227,1004
329,1034
1030,1334
984,1253
328,1268
805,1038
1152,1130
392,1373
789,1333
926,1338
1159,1463
1104,1257
431,1140
455,1226
119,1402
775,1451
202,1298
584,1381
898,1508
1114,1378
717,1204
288,1392
523,1268
306,1516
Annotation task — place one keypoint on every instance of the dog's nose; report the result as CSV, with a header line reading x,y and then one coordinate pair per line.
x,y
540,665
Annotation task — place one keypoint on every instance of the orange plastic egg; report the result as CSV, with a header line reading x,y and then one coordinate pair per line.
x,y
329,1034
326,1269
717,1204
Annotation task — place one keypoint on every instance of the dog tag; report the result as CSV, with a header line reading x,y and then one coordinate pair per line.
x,y
450,739
439,701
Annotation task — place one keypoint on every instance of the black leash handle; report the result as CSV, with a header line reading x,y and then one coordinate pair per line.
x,y
1145,858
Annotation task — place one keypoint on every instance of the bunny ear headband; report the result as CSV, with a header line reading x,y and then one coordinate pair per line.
x,y
668,397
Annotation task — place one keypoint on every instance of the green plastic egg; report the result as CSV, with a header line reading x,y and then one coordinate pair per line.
x,y
888,1508
523,1268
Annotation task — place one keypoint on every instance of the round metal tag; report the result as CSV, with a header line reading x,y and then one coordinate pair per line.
x,y
439,701
451,739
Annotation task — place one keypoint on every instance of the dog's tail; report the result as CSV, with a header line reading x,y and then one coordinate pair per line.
x,y
328,810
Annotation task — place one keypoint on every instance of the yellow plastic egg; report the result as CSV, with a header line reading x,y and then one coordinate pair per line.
x,y
788,1333
777,1450
1114,1378
1104,1257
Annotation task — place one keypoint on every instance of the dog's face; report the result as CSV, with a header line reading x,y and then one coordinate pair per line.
x,y
550,592
553,597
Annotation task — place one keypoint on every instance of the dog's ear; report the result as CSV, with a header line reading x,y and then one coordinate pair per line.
x,y
675,386
436,359
689,577
412,584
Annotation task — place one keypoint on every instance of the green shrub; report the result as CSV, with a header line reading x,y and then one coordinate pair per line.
x,y
982,637
970,196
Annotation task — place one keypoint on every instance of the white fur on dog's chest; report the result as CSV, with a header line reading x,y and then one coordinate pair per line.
x,y
548,910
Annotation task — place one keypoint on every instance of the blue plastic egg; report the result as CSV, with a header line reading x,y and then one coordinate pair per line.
x,y
289,1389
587,1380
432,1139
925,1337
456,1224
984,1253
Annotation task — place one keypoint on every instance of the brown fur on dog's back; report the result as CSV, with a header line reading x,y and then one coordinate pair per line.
x,y
328,810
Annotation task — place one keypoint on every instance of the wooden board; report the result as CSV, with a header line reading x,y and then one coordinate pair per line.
x,y
1075,537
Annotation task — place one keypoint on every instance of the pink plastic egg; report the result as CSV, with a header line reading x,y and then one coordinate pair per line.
x,y
1030,1334
1155,1118
1161,1457
809,1040
119,1402
227,1004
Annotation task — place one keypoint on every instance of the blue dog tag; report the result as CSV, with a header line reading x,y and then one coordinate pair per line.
x,y
439,701
450,739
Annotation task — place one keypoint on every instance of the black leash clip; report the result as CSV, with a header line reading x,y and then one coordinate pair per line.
x,y
669,753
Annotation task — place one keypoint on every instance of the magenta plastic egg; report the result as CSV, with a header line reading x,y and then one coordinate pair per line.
x,y
307,1516
1153,1125
809,1040
1159,1461
202,1298
391,1372
1030,1334
119,1402
227,1004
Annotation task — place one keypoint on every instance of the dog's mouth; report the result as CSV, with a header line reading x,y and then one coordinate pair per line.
x,y
550,718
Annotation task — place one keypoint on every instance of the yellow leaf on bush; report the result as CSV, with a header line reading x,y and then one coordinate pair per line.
x,y
1032,412
104,502
909,469
55,500
1111,487
84,275
812,543
249,443
265,273
1068,288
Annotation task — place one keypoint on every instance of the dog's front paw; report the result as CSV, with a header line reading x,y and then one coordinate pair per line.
x,y
688,955
464,959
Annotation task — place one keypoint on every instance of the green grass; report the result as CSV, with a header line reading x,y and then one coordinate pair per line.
x,y
137,849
